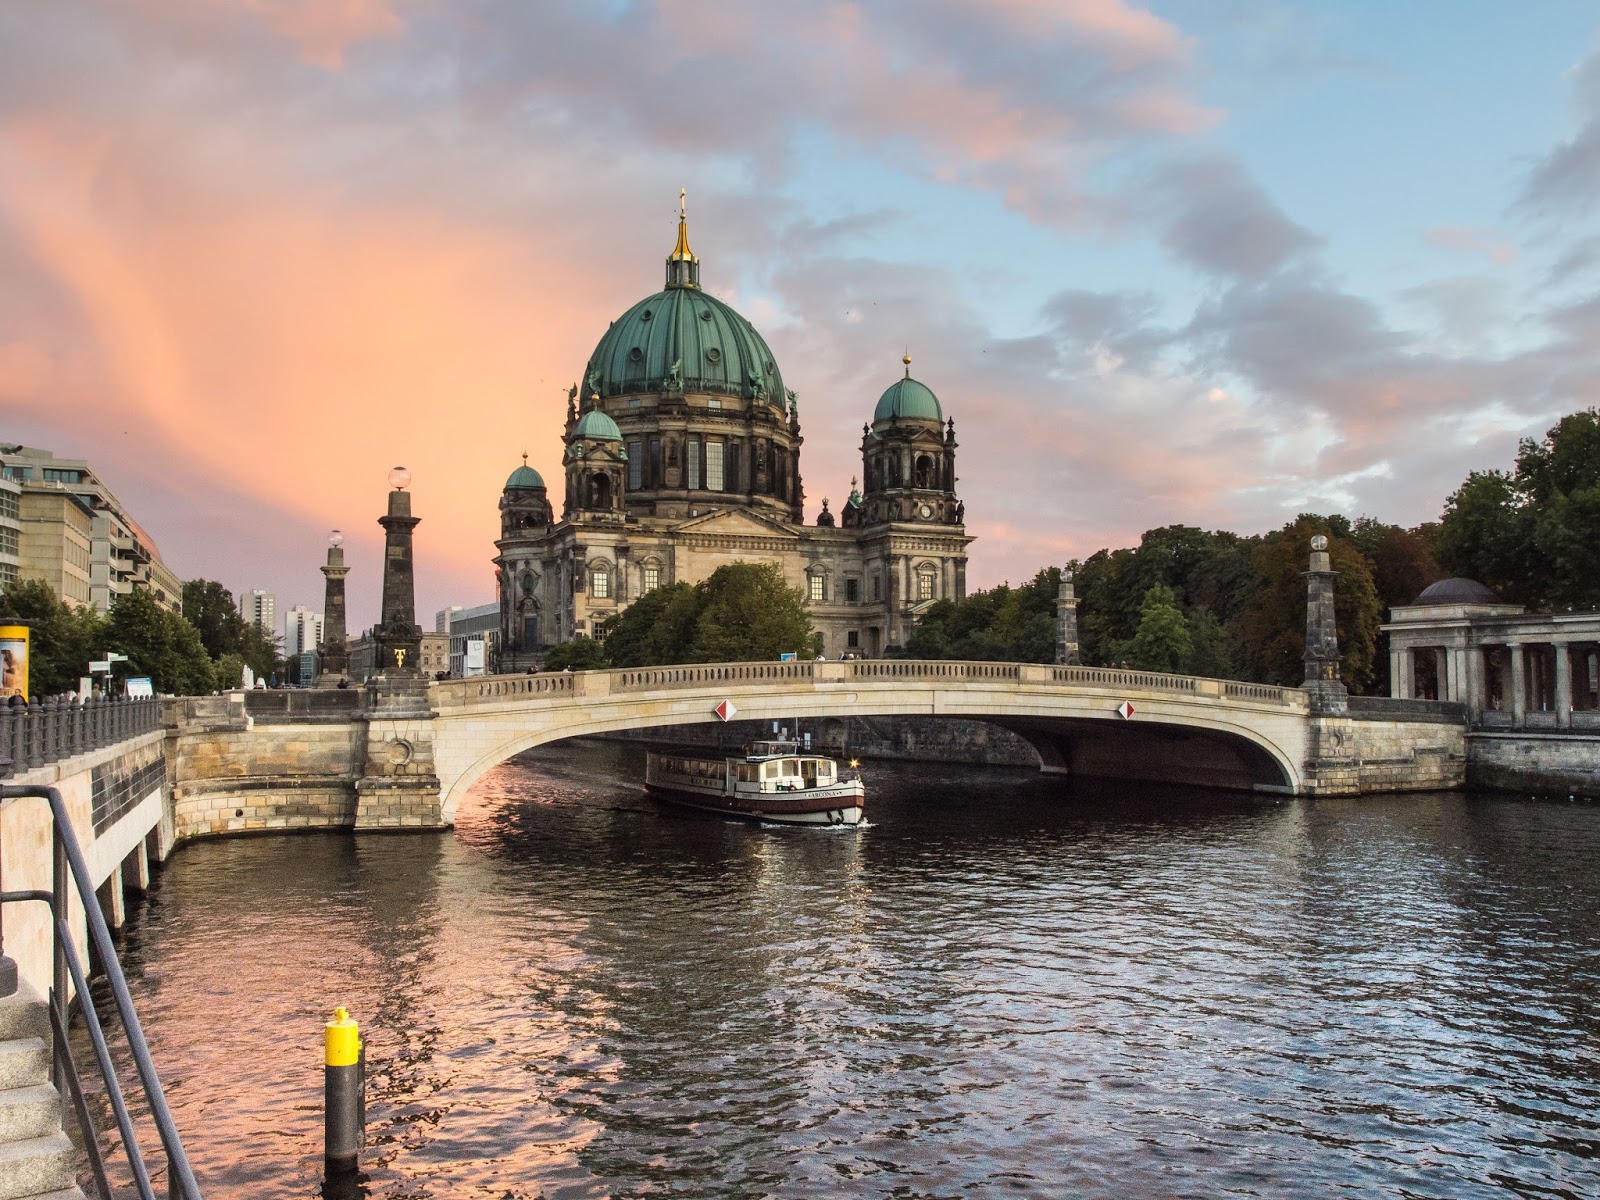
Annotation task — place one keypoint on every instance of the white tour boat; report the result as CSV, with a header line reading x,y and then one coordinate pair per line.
x,y
771,781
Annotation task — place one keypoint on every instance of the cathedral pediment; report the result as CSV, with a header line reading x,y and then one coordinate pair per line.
x,y
735,522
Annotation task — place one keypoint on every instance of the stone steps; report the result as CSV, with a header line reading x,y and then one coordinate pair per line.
x,y
37,1159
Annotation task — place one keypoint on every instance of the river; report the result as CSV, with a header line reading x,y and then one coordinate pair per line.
x,y
997,988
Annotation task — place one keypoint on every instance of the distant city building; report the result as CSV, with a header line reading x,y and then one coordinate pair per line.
x,y
77,536
302,630
307,663
260,609
441,619
467,625
10,531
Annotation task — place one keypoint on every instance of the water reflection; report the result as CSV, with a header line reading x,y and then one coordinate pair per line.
x,y
996,988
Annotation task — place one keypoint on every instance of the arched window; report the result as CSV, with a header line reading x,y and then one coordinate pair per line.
x,y
600,582
924,471
925,582
816,586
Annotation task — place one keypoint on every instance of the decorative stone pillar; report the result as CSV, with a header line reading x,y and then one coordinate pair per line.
x,y
1458,676
399,786
1328,694
334,651
1563,682
1067,621
1405,684
1519,684
1475,681
398,636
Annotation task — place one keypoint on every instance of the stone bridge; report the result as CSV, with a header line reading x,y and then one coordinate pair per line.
x,y
403,753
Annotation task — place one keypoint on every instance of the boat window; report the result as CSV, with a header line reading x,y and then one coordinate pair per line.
x,y
769,770
791,767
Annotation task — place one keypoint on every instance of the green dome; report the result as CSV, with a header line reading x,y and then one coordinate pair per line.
x,y
595,426
715,349
909,401
524,477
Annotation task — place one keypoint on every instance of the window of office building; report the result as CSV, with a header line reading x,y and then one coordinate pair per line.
x,y
713,466
8,540
9,506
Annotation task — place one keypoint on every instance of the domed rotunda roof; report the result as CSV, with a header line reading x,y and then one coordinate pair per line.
x,y
524,477
595,426
1457,591
681,339
908,400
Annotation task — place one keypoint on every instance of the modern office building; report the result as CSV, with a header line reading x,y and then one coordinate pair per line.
x,y
302,631
76,535
473,625
260,608
10,531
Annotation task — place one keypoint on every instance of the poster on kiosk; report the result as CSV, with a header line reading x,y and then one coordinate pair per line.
x,y
13,661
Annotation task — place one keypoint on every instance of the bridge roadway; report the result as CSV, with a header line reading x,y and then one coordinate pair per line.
x,y
1220,732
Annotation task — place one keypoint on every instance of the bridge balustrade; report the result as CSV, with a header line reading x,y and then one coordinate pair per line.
x,y
892,668
649,678
1235,690
35,735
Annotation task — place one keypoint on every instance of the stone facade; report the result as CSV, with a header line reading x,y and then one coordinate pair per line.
x,y
682,454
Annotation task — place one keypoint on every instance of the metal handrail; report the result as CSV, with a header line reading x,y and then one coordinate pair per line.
x,y
69,868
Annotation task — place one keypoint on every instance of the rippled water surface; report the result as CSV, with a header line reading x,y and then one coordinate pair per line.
x,y
998,988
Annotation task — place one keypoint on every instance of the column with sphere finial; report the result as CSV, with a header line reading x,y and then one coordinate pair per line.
x,y
333,653
398,636
1066,621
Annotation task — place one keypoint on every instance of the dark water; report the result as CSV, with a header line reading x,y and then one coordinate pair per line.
x,y
995,990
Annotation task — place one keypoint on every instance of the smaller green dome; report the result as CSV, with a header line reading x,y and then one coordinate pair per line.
x,y
524,477
595,426
909,401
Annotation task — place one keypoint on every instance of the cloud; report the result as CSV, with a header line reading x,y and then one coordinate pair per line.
x,y
1222,223
1567,177
1473,241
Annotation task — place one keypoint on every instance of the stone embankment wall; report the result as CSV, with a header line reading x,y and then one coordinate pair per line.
x,y
1384,745
1556,764
284,760
910,739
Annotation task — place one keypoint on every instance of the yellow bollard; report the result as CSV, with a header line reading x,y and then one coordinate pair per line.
x,y
344,1087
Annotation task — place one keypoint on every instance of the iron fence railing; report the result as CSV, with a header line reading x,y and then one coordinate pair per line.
x,y
71,872
33,735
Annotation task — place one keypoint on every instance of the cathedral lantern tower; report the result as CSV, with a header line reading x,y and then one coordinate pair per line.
x,y
908,455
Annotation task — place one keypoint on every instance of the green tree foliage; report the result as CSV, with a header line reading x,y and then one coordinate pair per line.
x,y
63,640
1004,624
582,653
160,644
747,613
1531,534
210,608
1162,641
743,612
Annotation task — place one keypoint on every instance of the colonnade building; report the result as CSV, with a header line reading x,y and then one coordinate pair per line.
x,y
682,453
1460,642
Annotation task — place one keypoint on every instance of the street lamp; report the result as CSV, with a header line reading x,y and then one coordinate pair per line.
x,y
335,538
398,478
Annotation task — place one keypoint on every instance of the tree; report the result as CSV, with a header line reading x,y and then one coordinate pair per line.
x,y
630,637
1486,535
160,644
747,613
63,640
1003,624
1162,642
582,653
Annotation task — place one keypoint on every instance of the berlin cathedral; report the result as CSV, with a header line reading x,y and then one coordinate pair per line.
x,y
683,453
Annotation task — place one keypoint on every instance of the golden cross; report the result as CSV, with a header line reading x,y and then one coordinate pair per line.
x,y
683,204
399,658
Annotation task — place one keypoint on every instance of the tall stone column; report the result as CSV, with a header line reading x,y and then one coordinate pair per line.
x,y
334,652
1067,621
1322,635
1405,683
1563,684
1519,684
398,636
399,786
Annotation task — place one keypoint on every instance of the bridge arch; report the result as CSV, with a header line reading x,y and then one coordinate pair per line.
x,y
1245,736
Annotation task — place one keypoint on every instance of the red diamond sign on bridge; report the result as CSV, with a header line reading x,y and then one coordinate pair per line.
x,y
725,710
1125,710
